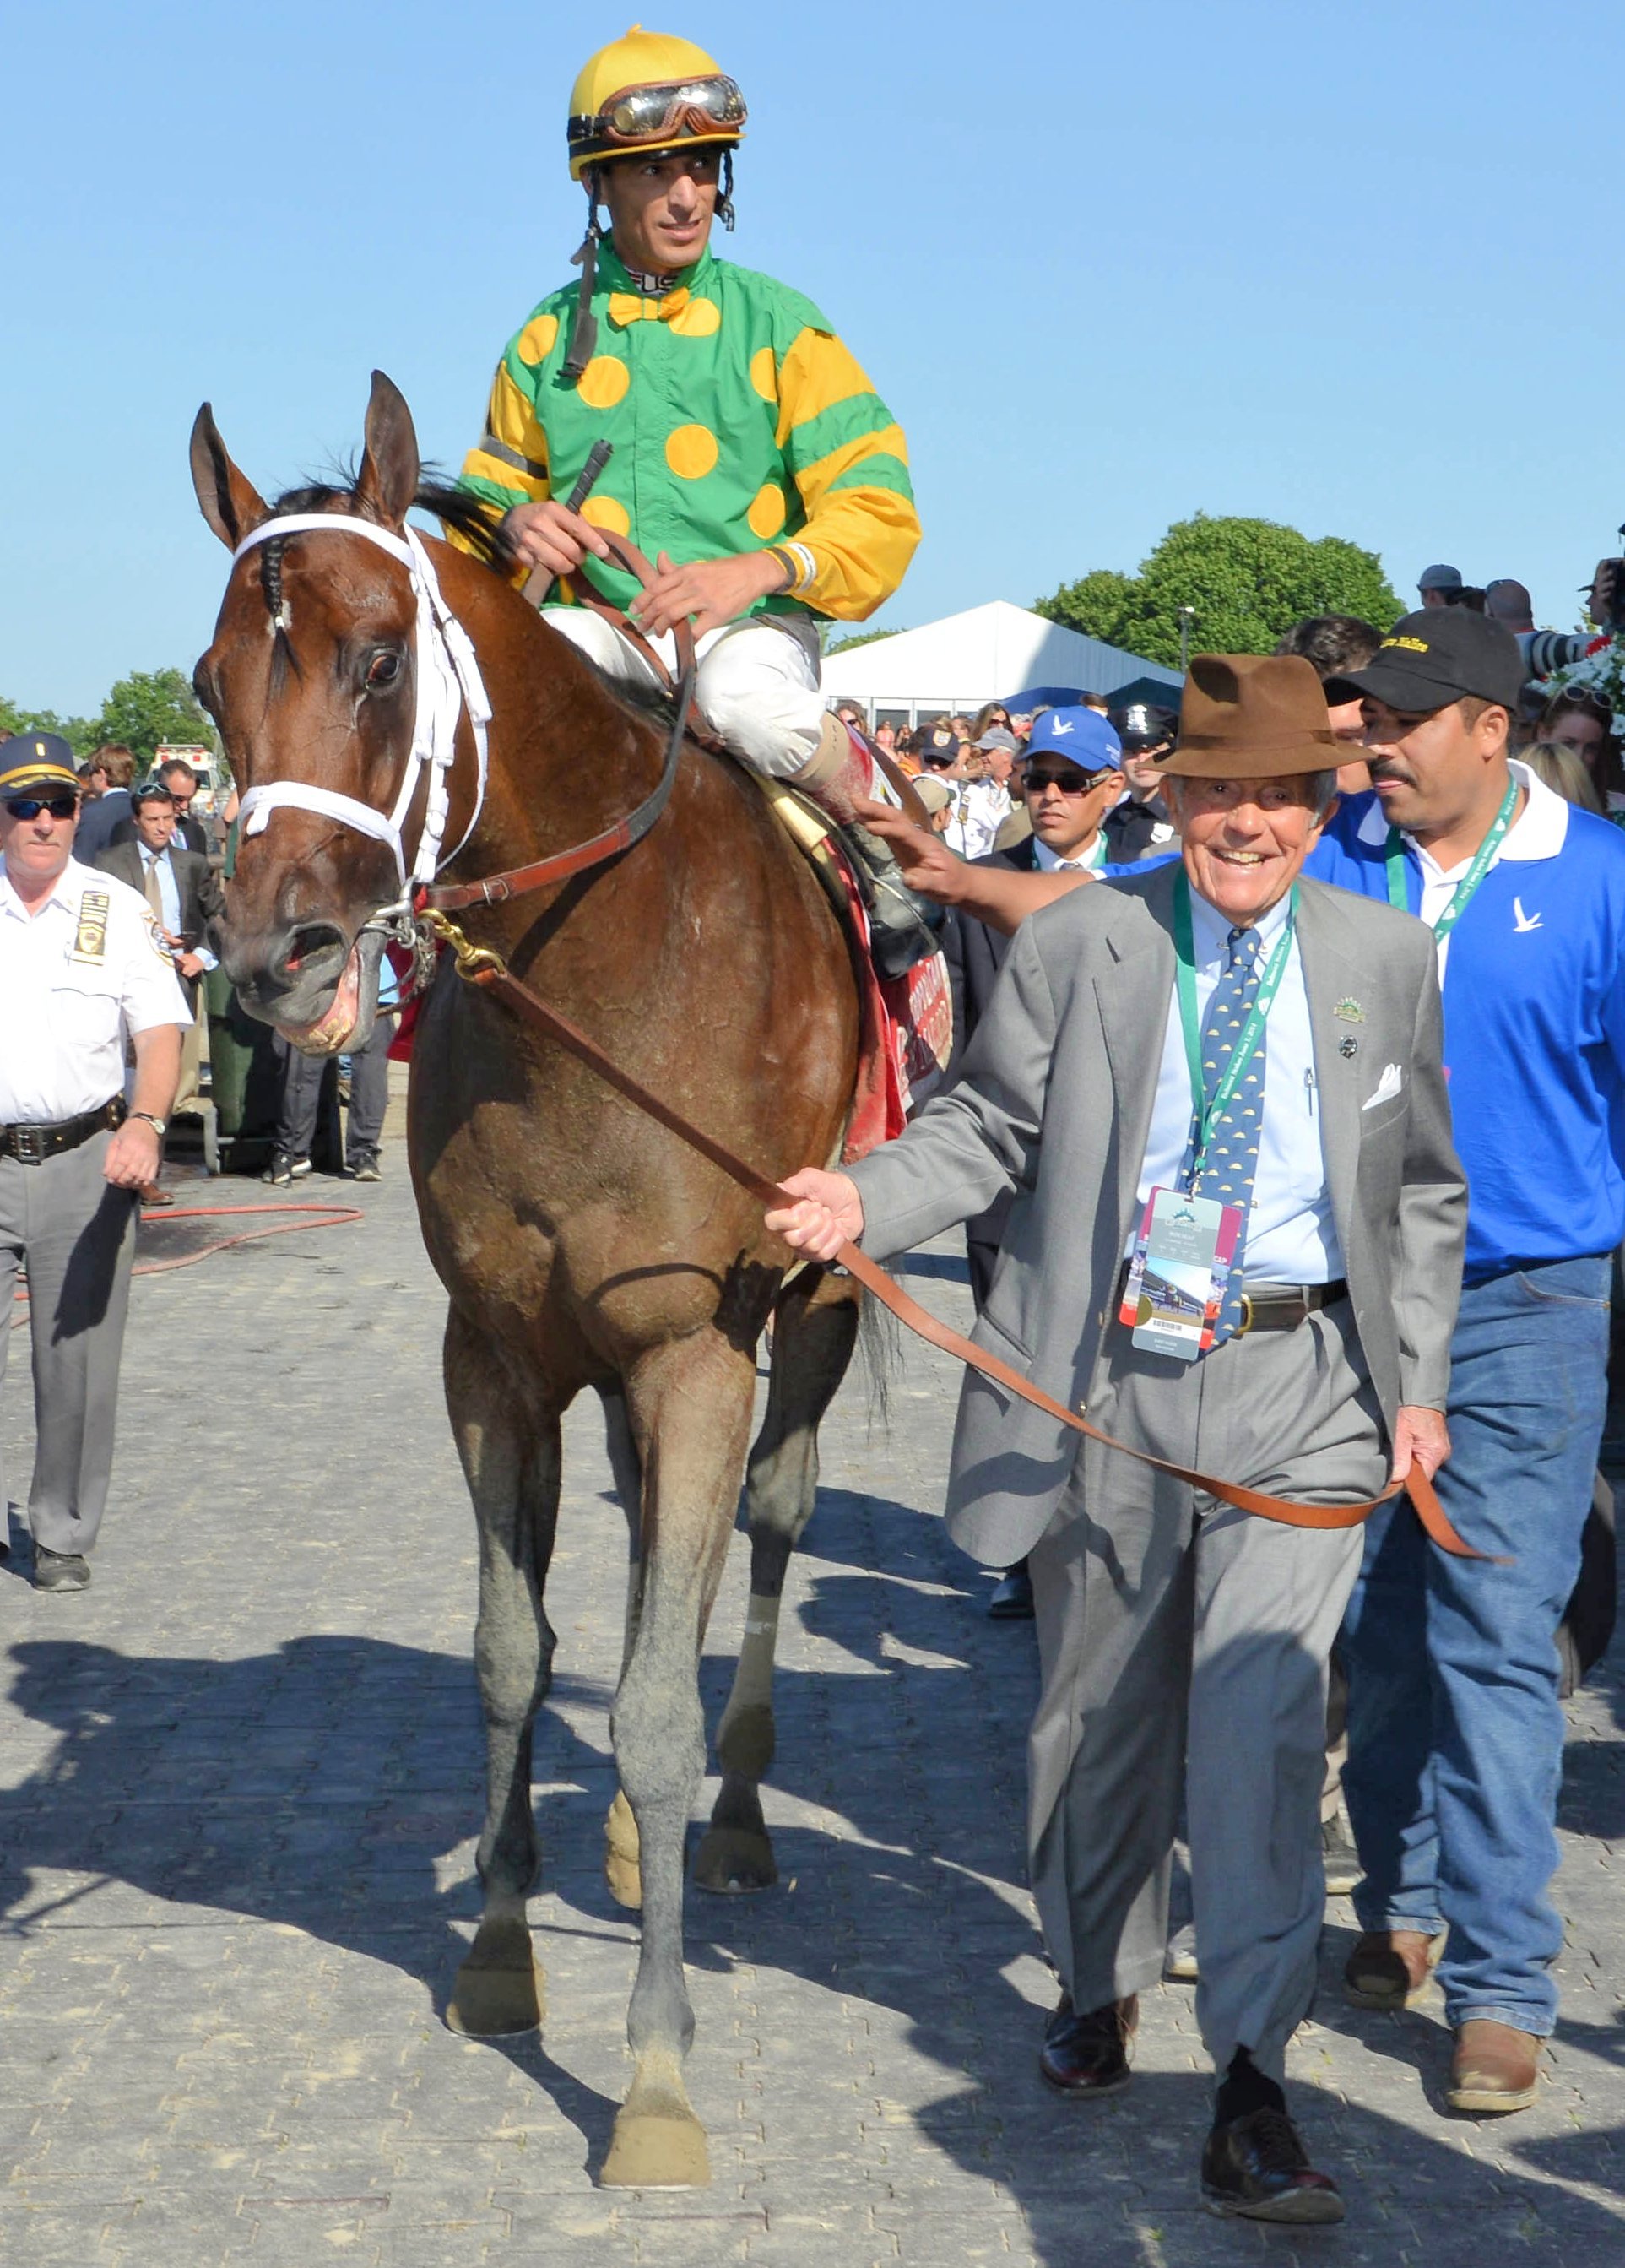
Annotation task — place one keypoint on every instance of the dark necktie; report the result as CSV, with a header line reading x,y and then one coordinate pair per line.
x,y
1231,1161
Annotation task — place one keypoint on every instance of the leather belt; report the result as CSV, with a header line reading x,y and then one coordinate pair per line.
x,y
1274,1307
32,1146
1282,1307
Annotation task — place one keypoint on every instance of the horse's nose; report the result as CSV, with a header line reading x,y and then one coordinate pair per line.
x,y
271,970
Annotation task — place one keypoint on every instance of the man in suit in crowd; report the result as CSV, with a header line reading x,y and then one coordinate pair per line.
x,y
1211,1033
109,810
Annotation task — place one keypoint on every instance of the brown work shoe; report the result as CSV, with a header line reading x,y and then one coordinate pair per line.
x,y
1391,1969
1495,2067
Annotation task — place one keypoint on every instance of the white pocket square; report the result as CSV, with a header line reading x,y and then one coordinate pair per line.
x,y
1387,1087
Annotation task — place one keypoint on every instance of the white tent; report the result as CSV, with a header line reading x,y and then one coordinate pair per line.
x,y
987,654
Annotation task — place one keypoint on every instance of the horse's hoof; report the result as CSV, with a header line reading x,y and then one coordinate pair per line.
x,y
657,2150
622,1869
734,1859
499,1987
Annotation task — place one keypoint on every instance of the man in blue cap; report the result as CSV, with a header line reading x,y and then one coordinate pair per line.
x,y
82,970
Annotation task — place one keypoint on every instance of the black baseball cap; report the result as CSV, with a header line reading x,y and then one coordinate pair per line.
x,y
1430,659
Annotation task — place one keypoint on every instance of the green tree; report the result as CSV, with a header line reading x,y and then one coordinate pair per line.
x,y
80,732
1246,581
150,706
859,637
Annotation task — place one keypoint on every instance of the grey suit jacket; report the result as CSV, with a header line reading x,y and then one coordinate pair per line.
x,y
195,884
1054,1104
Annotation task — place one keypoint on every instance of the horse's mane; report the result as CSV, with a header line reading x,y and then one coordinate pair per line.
x,y
461,514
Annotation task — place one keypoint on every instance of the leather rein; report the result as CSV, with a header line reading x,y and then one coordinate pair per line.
x,y
478,966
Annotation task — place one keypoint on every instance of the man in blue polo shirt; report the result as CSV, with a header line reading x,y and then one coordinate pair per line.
x,y
1455,1728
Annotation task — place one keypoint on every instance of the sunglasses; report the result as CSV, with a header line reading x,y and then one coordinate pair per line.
x,y
1070,783
29,806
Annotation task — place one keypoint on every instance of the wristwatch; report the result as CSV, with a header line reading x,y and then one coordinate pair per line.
x,y
160,1126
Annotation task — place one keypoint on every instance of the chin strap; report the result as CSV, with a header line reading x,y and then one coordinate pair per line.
x,y
448,681
583,328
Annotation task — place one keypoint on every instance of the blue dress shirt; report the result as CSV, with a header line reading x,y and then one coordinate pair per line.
x,y
1291,1237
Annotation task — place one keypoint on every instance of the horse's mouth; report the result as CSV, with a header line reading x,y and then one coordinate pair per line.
x,y
346,1023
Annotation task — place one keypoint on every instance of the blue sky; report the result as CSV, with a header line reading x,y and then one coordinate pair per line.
x,y
1351,267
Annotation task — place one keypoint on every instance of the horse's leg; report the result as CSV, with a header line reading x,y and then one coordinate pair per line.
x,y
814,1327
690,1405
511,1463
621,1867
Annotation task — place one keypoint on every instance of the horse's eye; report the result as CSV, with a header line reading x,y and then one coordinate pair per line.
x,y
383,671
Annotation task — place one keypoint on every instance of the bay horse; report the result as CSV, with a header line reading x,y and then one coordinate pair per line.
x,y
580,1246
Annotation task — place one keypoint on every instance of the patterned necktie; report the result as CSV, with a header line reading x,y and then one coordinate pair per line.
x,y
1231,1161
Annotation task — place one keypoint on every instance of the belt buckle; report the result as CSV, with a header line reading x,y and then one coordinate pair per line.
x,y
28,1145
1245,1325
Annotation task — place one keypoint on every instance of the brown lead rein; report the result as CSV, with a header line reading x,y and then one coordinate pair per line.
x,y
489,971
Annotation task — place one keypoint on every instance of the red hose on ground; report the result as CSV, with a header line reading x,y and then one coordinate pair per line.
x,y
327,1217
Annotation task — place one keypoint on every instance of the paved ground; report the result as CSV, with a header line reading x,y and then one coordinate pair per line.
x,y
238,1794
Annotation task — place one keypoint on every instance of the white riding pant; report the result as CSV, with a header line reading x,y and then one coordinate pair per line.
x,y
756,683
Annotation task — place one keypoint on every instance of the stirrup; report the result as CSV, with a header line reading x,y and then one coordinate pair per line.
x,y
903,927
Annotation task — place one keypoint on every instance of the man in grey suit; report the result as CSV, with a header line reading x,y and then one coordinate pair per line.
x,y
1214,1029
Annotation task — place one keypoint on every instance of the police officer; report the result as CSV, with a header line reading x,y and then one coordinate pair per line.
x,y
82,968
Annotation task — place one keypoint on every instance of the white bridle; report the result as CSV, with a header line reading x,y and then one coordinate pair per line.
x,y
448,681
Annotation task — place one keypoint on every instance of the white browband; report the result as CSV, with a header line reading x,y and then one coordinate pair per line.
x,y
448,681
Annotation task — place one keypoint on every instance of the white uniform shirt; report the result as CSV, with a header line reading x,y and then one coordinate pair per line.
x,y
1291,1236
75,977
1050,862
981,809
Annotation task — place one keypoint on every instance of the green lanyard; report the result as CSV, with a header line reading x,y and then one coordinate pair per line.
x,y
1393,858
1207,1116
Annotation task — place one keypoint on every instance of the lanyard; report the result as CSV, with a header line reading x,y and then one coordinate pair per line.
x,y
1207,1116
1393,858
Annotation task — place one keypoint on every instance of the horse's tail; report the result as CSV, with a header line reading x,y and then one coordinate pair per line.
x,y
880,1350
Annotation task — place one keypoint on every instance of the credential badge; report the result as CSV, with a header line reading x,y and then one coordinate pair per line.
x,y
1349,1011
90,939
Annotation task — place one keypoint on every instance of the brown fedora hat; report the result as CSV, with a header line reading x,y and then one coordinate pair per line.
x,y
1251,716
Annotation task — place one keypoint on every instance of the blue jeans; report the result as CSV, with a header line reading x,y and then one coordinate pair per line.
x,y
1455,1729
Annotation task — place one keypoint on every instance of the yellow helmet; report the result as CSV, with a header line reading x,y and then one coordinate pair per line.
x,y
647,93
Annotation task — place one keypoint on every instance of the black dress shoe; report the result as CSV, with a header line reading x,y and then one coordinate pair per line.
x,y
1088,2055
59,1571
1256,2167
1011,1597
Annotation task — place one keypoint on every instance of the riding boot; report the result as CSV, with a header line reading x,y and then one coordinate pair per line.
x,y
902,926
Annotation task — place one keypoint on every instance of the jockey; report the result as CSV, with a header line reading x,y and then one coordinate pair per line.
x,y
753,461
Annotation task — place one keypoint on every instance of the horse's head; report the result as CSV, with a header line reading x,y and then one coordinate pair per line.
x,y
312,679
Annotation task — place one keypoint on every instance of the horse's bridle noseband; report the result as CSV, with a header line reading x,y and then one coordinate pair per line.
x,y
448,681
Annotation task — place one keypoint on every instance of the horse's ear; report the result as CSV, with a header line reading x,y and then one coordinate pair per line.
x,y
390,468
231,504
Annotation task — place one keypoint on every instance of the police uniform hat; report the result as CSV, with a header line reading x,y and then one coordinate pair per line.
x,y
37,760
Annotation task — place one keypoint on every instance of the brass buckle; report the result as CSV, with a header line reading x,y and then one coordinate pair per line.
x,y
1245,1325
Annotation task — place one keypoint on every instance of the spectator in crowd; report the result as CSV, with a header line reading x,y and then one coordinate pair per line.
x,y
81,978
1098,701
1437,584
1142,823
117,766
1468,596
93,783
1455,1727
935,735
849,713
179,782
1333,645
959,726
1564,772
183,893
1509,603
1577,717
1021,723
983,802
886,741
936,801
369,1098
1183,1648
991,714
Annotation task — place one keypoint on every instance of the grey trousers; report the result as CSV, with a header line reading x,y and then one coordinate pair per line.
x,y
76,1233
1184,1649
